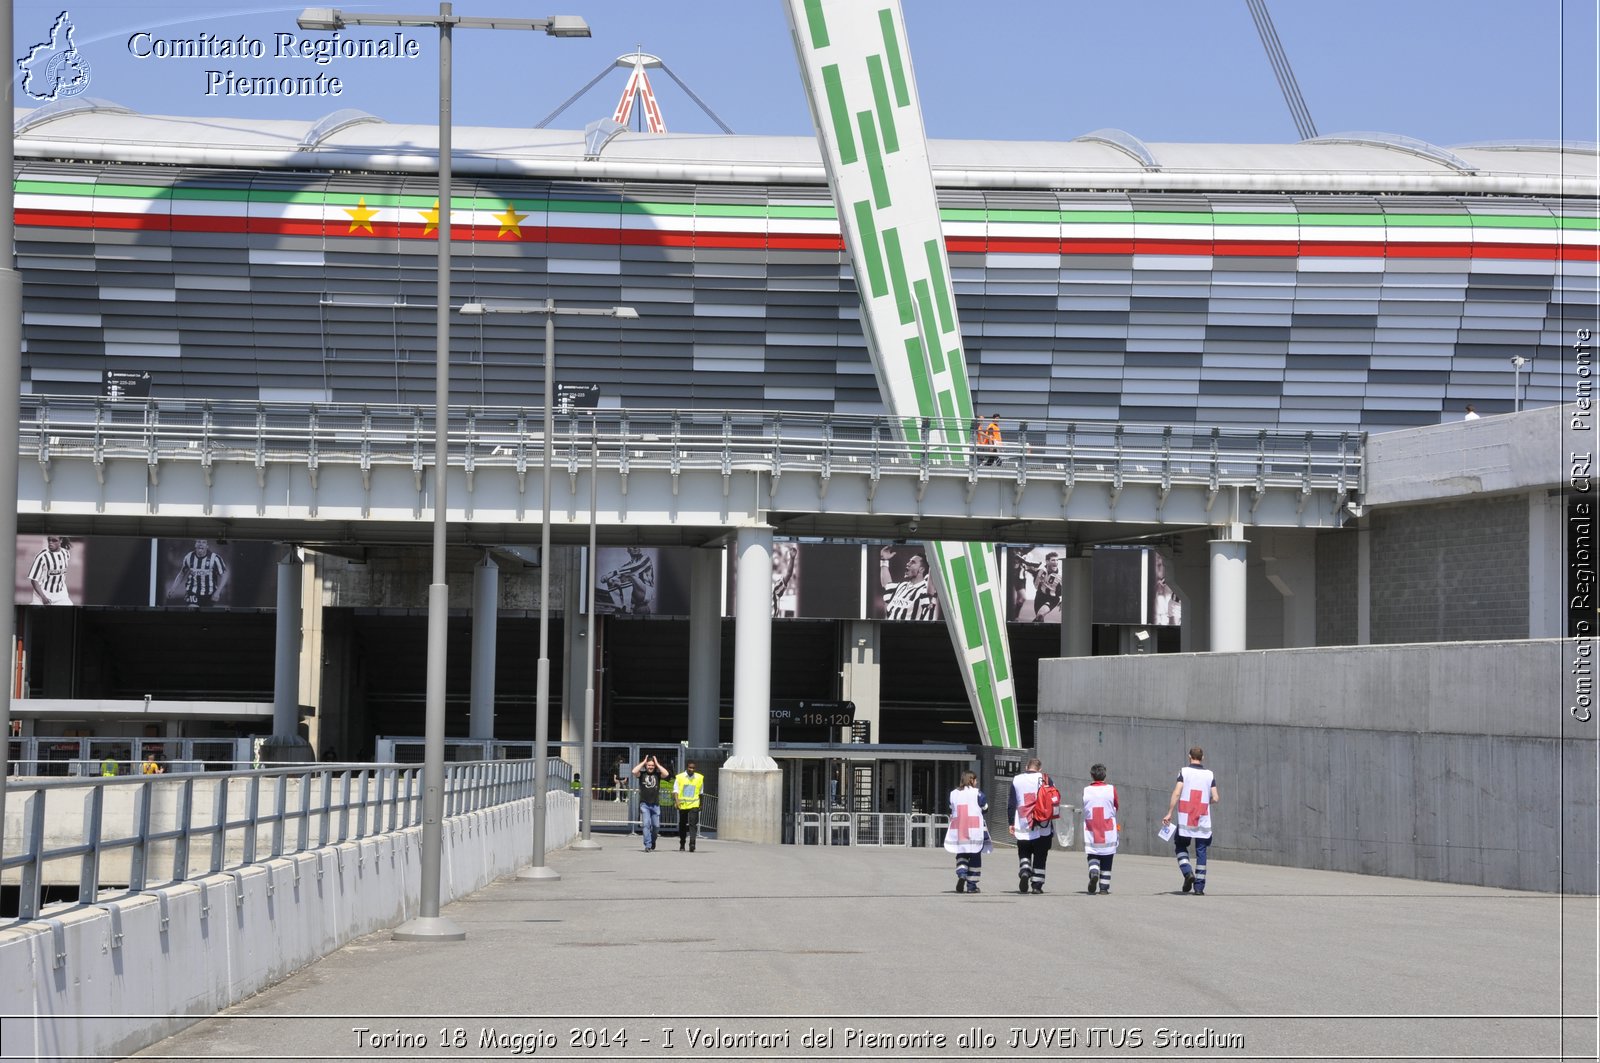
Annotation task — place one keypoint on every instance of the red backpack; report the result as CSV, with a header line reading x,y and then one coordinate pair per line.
x,y
1046,805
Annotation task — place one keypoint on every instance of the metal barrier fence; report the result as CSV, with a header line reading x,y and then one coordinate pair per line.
x,y
900,829
484,437
107,836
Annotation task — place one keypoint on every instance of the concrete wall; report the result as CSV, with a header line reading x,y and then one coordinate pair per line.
x,y
1510,452
110,979
1455,762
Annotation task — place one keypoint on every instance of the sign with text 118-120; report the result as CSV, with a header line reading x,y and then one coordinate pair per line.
x,y
799,721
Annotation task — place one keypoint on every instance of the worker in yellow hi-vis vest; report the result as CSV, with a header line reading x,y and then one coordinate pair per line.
x,y
686,789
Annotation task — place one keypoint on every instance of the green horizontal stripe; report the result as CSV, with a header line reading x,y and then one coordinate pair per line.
x,y
315,196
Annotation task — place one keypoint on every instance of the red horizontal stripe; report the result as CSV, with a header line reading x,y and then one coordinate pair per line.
x,y
616,236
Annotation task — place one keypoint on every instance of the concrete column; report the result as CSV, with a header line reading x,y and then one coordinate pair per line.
x,y
485,627
286,745
861,681
1291,568
1363,581
750,806
1077,614
311,647
1546,558
705,649
1228,591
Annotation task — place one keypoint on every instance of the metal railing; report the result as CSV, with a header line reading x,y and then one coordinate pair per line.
x,y
156,431
82,840
899,829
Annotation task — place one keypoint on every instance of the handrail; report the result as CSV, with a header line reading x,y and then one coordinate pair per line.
x,y
324,435
202,823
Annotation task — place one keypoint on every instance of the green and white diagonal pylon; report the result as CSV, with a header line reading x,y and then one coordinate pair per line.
x,y
857,69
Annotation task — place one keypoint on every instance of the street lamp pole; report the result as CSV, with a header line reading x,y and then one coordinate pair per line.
x,y
586,795
541,727
429,925
1517,362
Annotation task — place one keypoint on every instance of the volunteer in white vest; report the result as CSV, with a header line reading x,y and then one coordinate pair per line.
x,y
1100,834
1033,843
968,836
1193,795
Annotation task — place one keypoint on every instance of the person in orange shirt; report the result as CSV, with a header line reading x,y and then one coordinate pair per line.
x,y
989,441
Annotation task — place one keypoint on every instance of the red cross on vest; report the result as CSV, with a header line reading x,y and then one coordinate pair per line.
x,y
1100,825
967,824
1194,806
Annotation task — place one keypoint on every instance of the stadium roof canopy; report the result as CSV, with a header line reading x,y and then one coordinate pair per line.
x,y
97,131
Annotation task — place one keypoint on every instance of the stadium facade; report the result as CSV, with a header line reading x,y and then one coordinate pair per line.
x,y
1353,283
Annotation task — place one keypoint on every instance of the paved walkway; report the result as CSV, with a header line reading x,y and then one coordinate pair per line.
x,y
757,947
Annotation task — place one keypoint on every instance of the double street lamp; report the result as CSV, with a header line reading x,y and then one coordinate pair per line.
x,y
429,925
541,733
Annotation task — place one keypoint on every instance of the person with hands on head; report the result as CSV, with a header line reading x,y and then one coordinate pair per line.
x,y
649,772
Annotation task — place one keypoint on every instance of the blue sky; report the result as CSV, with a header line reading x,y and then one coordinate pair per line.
x,y
1446,71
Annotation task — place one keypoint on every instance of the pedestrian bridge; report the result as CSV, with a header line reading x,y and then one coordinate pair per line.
x,y
363,474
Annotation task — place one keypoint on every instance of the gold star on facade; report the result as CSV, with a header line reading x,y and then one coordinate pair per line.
x,y
510,221
360,216
430,218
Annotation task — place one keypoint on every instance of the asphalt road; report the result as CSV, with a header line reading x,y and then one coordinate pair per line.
x,y
765,952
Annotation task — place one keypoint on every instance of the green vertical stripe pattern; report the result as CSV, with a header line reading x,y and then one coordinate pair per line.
x,y
892,208
871,251
941,286
897,275
891,49
880,100
817,24
840,112
869,148
925,308
919,376
965,593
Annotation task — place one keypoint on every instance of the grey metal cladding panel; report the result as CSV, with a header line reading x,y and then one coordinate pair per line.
x,y
1412,203
1042,302
1481,293
1164,359
1159,414
1336,204
1313,362
1090,317
812,302
1154,304
1241,387
1110,267
46,342
663,261
803,264
1377,419
1273,264
63,298
1249,202
207,247
1278,334
122,267
1541,282
1171,202
1004,371
1059,396
1066,345
1341,322
48,241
